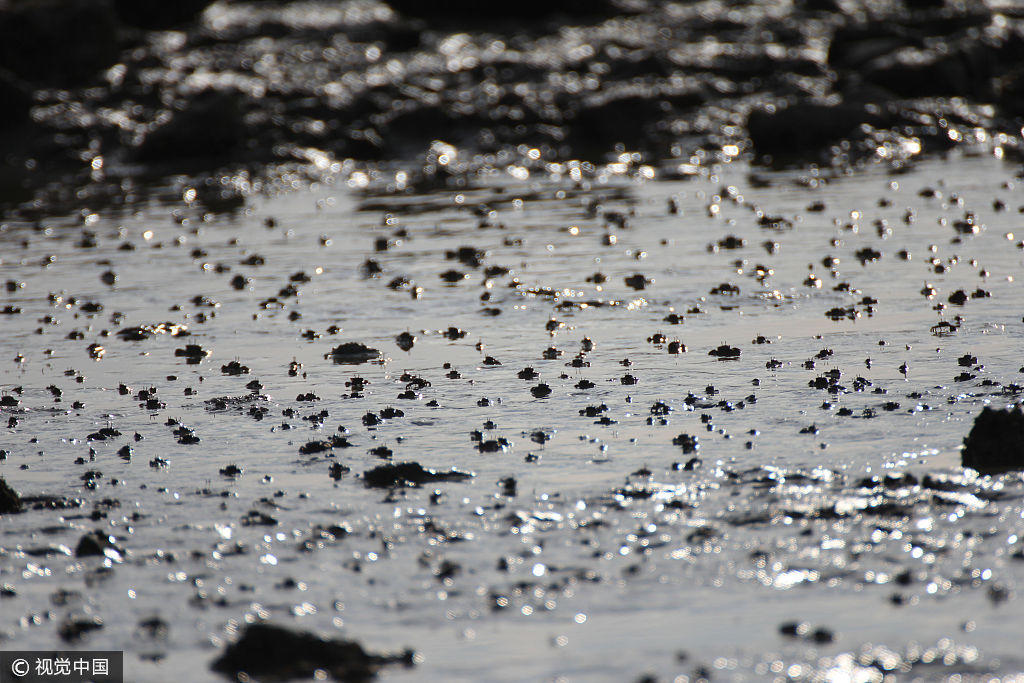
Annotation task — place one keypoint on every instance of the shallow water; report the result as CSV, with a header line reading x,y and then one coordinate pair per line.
x,y
608,563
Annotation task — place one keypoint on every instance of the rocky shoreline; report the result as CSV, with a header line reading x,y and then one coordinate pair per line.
x,y
103,99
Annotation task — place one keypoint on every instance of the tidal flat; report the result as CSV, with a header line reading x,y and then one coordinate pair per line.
x,y
551,341
799,509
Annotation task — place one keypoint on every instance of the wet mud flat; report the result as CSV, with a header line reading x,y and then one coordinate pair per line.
x,y
595,341
704,425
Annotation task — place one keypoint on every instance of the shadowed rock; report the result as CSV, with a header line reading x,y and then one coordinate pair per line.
x,y
270,652
966,70
803,128
10,501
996,442
208,125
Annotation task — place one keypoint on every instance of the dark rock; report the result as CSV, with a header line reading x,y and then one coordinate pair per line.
x,y
1010,91
964,71
10,501
405,341
103,434
637,281
271,652
822,635
838,313
234,368
311,447
688,443
725,351
45,502
470,256
353,353
257,518
958,298
725,289
499,445
191,350
855,44
209,125
996,442
541,391
804,128
598,124
409,474
794,629
143,332
453,276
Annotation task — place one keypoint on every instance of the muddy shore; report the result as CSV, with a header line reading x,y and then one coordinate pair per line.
x,y
556,341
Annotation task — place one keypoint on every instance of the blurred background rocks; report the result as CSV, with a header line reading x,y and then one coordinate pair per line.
x,y
158,88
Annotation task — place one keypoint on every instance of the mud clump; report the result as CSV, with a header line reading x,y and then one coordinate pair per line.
x,y
234,368
98,544
274,653
74,629
725,352
352,353
409,474
192,352
10,501
996,442
143,332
